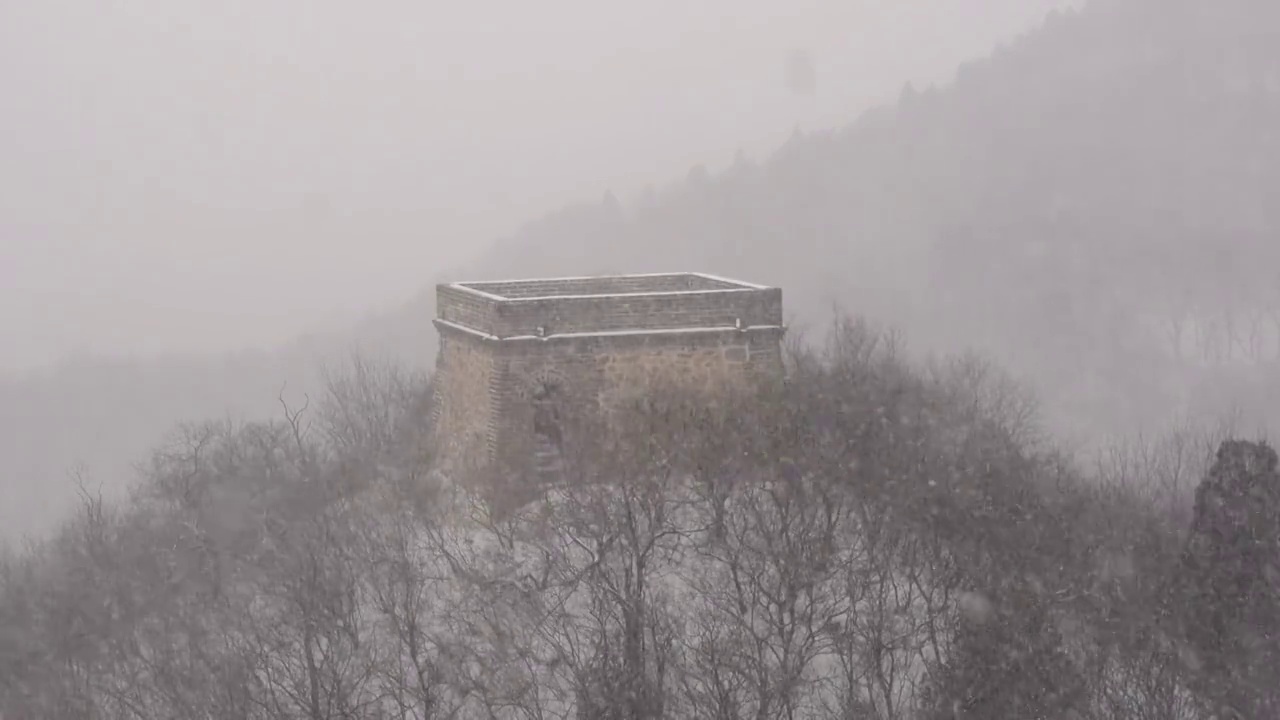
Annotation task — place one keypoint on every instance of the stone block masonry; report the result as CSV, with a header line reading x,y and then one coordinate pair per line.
x,y
516,355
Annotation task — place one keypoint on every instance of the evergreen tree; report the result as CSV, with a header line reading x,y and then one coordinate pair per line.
x,y
1006,663
1231,584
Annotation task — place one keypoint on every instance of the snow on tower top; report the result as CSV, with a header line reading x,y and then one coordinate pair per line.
x,y
547,308
605,286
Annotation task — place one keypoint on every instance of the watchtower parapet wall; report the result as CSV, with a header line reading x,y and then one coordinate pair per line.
x,y
534,309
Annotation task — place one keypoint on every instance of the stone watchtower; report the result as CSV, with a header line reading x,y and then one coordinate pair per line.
x,y
514,353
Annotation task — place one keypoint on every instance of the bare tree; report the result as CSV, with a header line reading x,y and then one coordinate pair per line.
x,y
768,593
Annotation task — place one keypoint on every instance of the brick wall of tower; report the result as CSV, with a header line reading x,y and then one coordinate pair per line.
x,y
606,285
604,372
465,308
468,387
638,312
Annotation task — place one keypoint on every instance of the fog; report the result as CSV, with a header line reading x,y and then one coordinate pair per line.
x,y
181,176
986,436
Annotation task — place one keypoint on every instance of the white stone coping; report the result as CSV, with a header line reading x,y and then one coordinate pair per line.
x,y
607,333
470,286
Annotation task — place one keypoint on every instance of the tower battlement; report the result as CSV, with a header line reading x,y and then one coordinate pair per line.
x,y
516,355
527,309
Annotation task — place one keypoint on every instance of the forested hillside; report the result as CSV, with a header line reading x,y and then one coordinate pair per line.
x,y
1091,205
870,539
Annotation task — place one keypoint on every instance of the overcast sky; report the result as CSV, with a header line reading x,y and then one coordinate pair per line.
x,y
199,175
